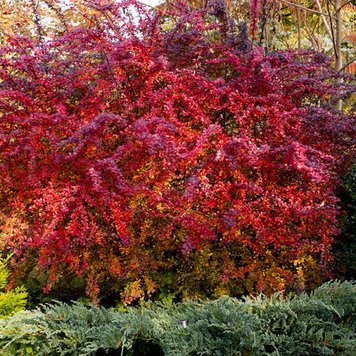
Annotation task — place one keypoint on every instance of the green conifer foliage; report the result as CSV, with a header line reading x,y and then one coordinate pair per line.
x,y
10,301
320,323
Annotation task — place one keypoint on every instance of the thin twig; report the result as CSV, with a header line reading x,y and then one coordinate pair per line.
x,y
347,64
37,20
58,12
328,30
332,29
303,7
346,3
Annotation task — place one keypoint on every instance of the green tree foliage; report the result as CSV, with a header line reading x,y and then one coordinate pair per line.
x,y
10,301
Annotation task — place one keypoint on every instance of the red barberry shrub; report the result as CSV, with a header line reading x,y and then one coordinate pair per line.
x,y
163,151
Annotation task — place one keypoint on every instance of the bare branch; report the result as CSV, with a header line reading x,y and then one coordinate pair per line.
x,y
37,20
58,13
332,29
327,27
347,64
303,7
346,3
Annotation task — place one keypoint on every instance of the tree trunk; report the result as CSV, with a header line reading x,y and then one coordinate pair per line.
x,y
338,34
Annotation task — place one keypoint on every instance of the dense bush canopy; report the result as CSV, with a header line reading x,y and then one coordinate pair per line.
x,y
164,151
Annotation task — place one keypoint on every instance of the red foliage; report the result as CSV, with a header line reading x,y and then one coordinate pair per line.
x,y
129,152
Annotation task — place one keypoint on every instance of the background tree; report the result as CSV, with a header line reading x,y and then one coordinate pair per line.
x,y
320,25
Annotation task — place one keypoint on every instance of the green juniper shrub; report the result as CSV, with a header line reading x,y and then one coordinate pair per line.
x,y
320,323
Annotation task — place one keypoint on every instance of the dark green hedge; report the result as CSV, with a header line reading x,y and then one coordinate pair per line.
x,y
322,323
345,244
